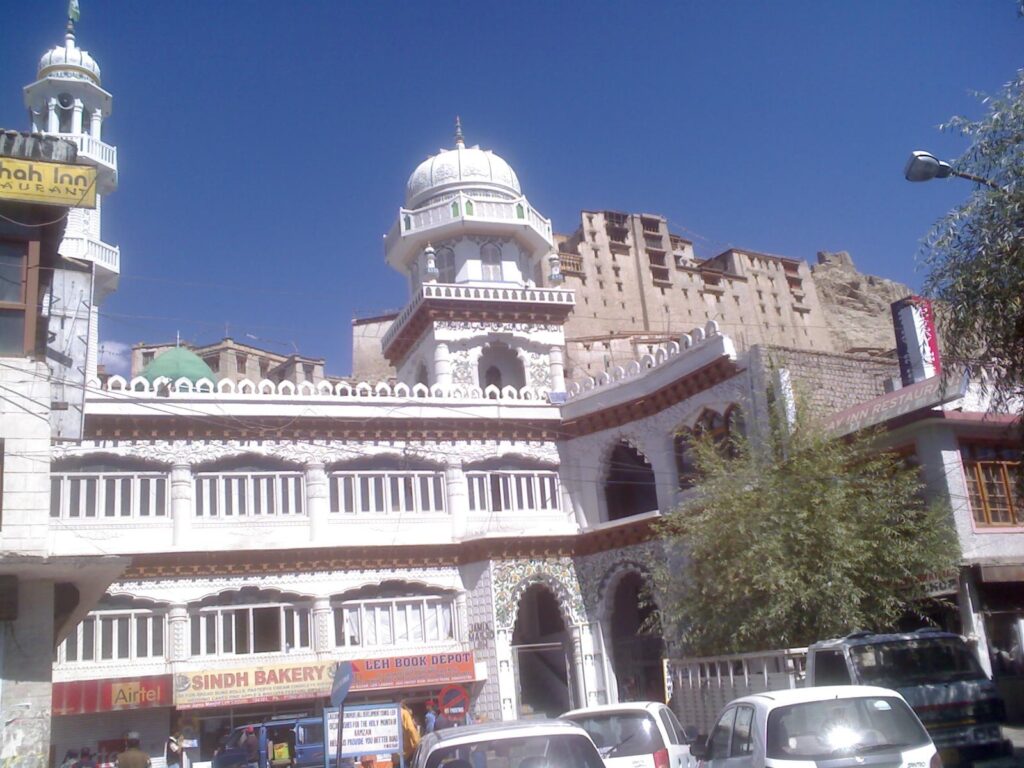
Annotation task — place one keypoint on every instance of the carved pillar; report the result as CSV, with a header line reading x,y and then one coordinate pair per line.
x,y
317,501
179,646
442,365
460,620
458,498
95,123
557,366
666,473
76,116
52,117
506,674
181,502
323,625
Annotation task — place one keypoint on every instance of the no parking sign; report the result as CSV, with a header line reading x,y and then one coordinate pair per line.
x,y
454,701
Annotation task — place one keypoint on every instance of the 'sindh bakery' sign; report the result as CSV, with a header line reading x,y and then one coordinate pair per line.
x,y
278,682
39,181
78,697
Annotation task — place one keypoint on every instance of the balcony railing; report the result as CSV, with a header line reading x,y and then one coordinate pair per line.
x,y
459,292
102,154
96,251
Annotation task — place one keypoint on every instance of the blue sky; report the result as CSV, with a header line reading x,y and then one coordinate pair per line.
x,y
264,146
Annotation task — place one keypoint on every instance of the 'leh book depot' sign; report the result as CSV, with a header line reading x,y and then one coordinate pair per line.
x,y
312,680
38,181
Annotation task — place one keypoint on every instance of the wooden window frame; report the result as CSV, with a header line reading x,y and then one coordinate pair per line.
x,y
28,305
976,487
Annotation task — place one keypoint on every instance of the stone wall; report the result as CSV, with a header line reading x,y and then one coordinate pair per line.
x,y
480,620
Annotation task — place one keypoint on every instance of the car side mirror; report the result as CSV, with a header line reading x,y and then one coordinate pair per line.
x,y
699,746
690,734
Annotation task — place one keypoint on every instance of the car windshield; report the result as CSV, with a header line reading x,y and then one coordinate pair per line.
x,y
621,734
902,663
818,730
559,750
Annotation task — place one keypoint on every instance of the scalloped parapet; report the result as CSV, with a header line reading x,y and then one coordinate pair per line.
x,y
638,368
362,390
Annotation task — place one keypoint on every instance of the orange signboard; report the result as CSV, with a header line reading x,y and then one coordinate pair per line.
x,y
278,682
77,697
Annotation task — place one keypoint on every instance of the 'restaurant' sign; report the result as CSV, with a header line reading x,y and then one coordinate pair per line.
x,y
39,181
279,682
79,697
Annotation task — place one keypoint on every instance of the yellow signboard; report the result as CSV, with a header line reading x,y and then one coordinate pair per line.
x,y
39,181
249,685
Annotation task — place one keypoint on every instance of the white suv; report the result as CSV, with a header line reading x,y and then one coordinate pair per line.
x,y
641,734
519,744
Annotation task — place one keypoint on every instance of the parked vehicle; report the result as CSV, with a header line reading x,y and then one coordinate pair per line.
x,y
848,726
936,672
284,743
520,744
643,734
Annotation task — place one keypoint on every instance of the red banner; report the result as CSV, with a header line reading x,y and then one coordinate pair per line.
x,y
78,697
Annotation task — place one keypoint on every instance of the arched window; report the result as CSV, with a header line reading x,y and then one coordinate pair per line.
x,y
490,262
422,377
444,260
249,620
120,627
492,377
629,487
499,365
685,468
394,614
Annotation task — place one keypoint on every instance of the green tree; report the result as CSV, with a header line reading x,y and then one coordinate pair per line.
x,y
975,254
798,538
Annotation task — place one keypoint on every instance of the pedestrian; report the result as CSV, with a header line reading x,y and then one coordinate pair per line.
x,y
172,751
410,733
443,721
250,742
133,756
86,759
430,719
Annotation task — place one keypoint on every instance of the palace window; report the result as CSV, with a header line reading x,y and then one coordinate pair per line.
x,y
249,492
101,492
394,621
993,484
246,629
513,491
387,492
111,635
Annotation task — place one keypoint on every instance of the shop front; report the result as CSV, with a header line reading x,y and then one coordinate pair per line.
x,y
210,702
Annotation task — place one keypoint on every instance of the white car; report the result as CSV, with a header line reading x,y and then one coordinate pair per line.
x,y
843,726
642,734
518,744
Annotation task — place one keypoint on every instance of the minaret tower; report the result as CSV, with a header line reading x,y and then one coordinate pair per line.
x,y
66,100
476,254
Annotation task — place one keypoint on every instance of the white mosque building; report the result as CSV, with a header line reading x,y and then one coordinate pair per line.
x,y
476,522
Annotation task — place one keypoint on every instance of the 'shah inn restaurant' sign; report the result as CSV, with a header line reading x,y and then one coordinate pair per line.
x,y
39,181
278,682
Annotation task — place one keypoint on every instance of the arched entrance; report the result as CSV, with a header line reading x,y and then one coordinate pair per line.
x,y
637,644
629,487
542,655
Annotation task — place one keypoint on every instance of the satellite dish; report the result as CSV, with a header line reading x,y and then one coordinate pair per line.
x,y
66,101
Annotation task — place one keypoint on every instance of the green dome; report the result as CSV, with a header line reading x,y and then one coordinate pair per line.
x,y
177,363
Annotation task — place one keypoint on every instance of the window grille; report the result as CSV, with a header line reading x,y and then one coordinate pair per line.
x,y
387,492
249,494
108,495
516,491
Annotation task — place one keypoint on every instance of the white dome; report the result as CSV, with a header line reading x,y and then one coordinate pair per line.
x,y
460,168
71,58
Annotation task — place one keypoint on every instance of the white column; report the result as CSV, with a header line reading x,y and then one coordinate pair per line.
x,y
52,118
973,620
442,365
323,619
181,502
178,636
581,686
460,619
93,347
317,501
458,498
76,117
506,673
557,366
95,123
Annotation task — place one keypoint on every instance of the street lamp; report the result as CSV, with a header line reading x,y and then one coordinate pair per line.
x,y
924,166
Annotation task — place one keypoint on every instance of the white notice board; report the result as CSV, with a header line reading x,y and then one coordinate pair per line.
x,y
370,729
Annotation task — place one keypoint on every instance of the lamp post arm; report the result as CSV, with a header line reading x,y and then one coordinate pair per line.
x,y
978,179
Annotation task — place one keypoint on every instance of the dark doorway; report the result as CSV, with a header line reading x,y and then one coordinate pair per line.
x,y
629,488
541,654
637,644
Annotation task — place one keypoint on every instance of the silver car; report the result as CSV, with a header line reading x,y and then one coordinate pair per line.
x,y
518,744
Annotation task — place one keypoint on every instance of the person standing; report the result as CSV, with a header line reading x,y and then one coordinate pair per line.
x,y
133,756
430,719
172,751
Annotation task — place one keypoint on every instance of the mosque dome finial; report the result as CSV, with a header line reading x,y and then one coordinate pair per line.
x,y
68,59
460,142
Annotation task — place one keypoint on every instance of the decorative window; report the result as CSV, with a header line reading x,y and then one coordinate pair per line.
x,y
19,286
520,211
115,635
444,260
469,207
490,262
108,495
249,493
407,220
387,492
455,209
241,630
993,484
513,491
395,621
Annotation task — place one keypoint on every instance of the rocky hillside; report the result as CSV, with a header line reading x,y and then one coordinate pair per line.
x,y
856,305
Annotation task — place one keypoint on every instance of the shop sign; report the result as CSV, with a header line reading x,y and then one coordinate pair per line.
x,y
38,181
369,729
77,697
924,394
278,682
